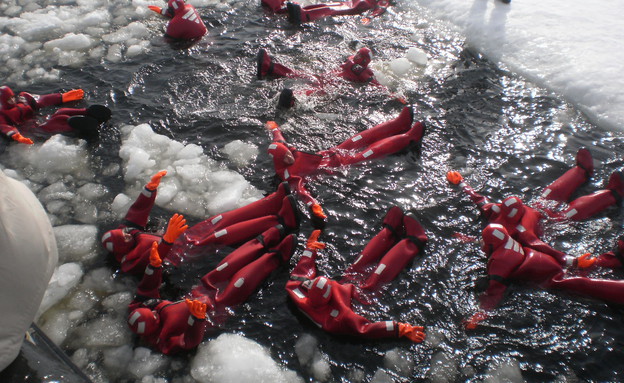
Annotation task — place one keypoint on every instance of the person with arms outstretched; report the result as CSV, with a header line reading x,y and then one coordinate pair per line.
x,y
328,303
185,24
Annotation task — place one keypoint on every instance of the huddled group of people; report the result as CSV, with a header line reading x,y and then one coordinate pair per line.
x,y
263,234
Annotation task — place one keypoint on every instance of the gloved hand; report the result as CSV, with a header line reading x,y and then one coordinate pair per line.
x,y
473,322
197,309
317,210
177,225
155,9
585,261
72,95
155,181
154,258
313,242
454,177
414,333
21,139
271,125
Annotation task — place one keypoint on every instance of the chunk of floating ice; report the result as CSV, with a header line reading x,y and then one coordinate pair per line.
x,y
400,66
417,56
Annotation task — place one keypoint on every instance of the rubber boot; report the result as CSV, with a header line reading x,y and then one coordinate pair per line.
x,y
286,99
616,185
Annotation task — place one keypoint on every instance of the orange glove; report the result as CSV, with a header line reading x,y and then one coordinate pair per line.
x,y
154,257
272,125
155,9
197,309
414,333
473,322
317,210
177,225
155,181
72,95
584,261
454,177
313,242
21,139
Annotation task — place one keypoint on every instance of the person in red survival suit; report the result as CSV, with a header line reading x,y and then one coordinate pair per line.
x,y
167,326
328,303
298,14
354,69
509,262
240,273
237,226
185,23
130,243
523,222
18,112
293,166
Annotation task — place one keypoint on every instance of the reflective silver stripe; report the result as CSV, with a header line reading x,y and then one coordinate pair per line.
x,y
134,317
510,201
146,193
321,282
307,253
239,282
149,271
513,213
358,259
174,5
521,228
510,244
221,267
367,154
462,184
327,292
298,293
109,246
216,219
516,246
334,313
191,320
495,209
141,328
309,203
569,261
389,325
571,213
380,269
123,259
273,146
498,234
286,174
220,233
106,236
546,193
357,138
188,15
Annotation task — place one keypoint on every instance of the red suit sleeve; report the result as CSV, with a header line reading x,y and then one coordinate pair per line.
x,y
589,205
138,214
485,206
8,130
613,259
42,101
306,267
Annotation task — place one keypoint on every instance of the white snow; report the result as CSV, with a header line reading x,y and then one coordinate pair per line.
x,y
571,47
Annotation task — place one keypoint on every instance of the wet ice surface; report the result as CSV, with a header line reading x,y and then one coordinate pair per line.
x,y
199,114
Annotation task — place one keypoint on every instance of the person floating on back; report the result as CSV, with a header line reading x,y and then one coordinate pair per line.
x,y
18,115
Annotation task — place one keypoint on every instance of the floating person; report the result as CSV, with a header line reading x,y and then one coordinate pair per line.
x,y
354,69
509,262
292,165
168,326
130,243
175,326
185,27
18,115
523,222
298,14
328,303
